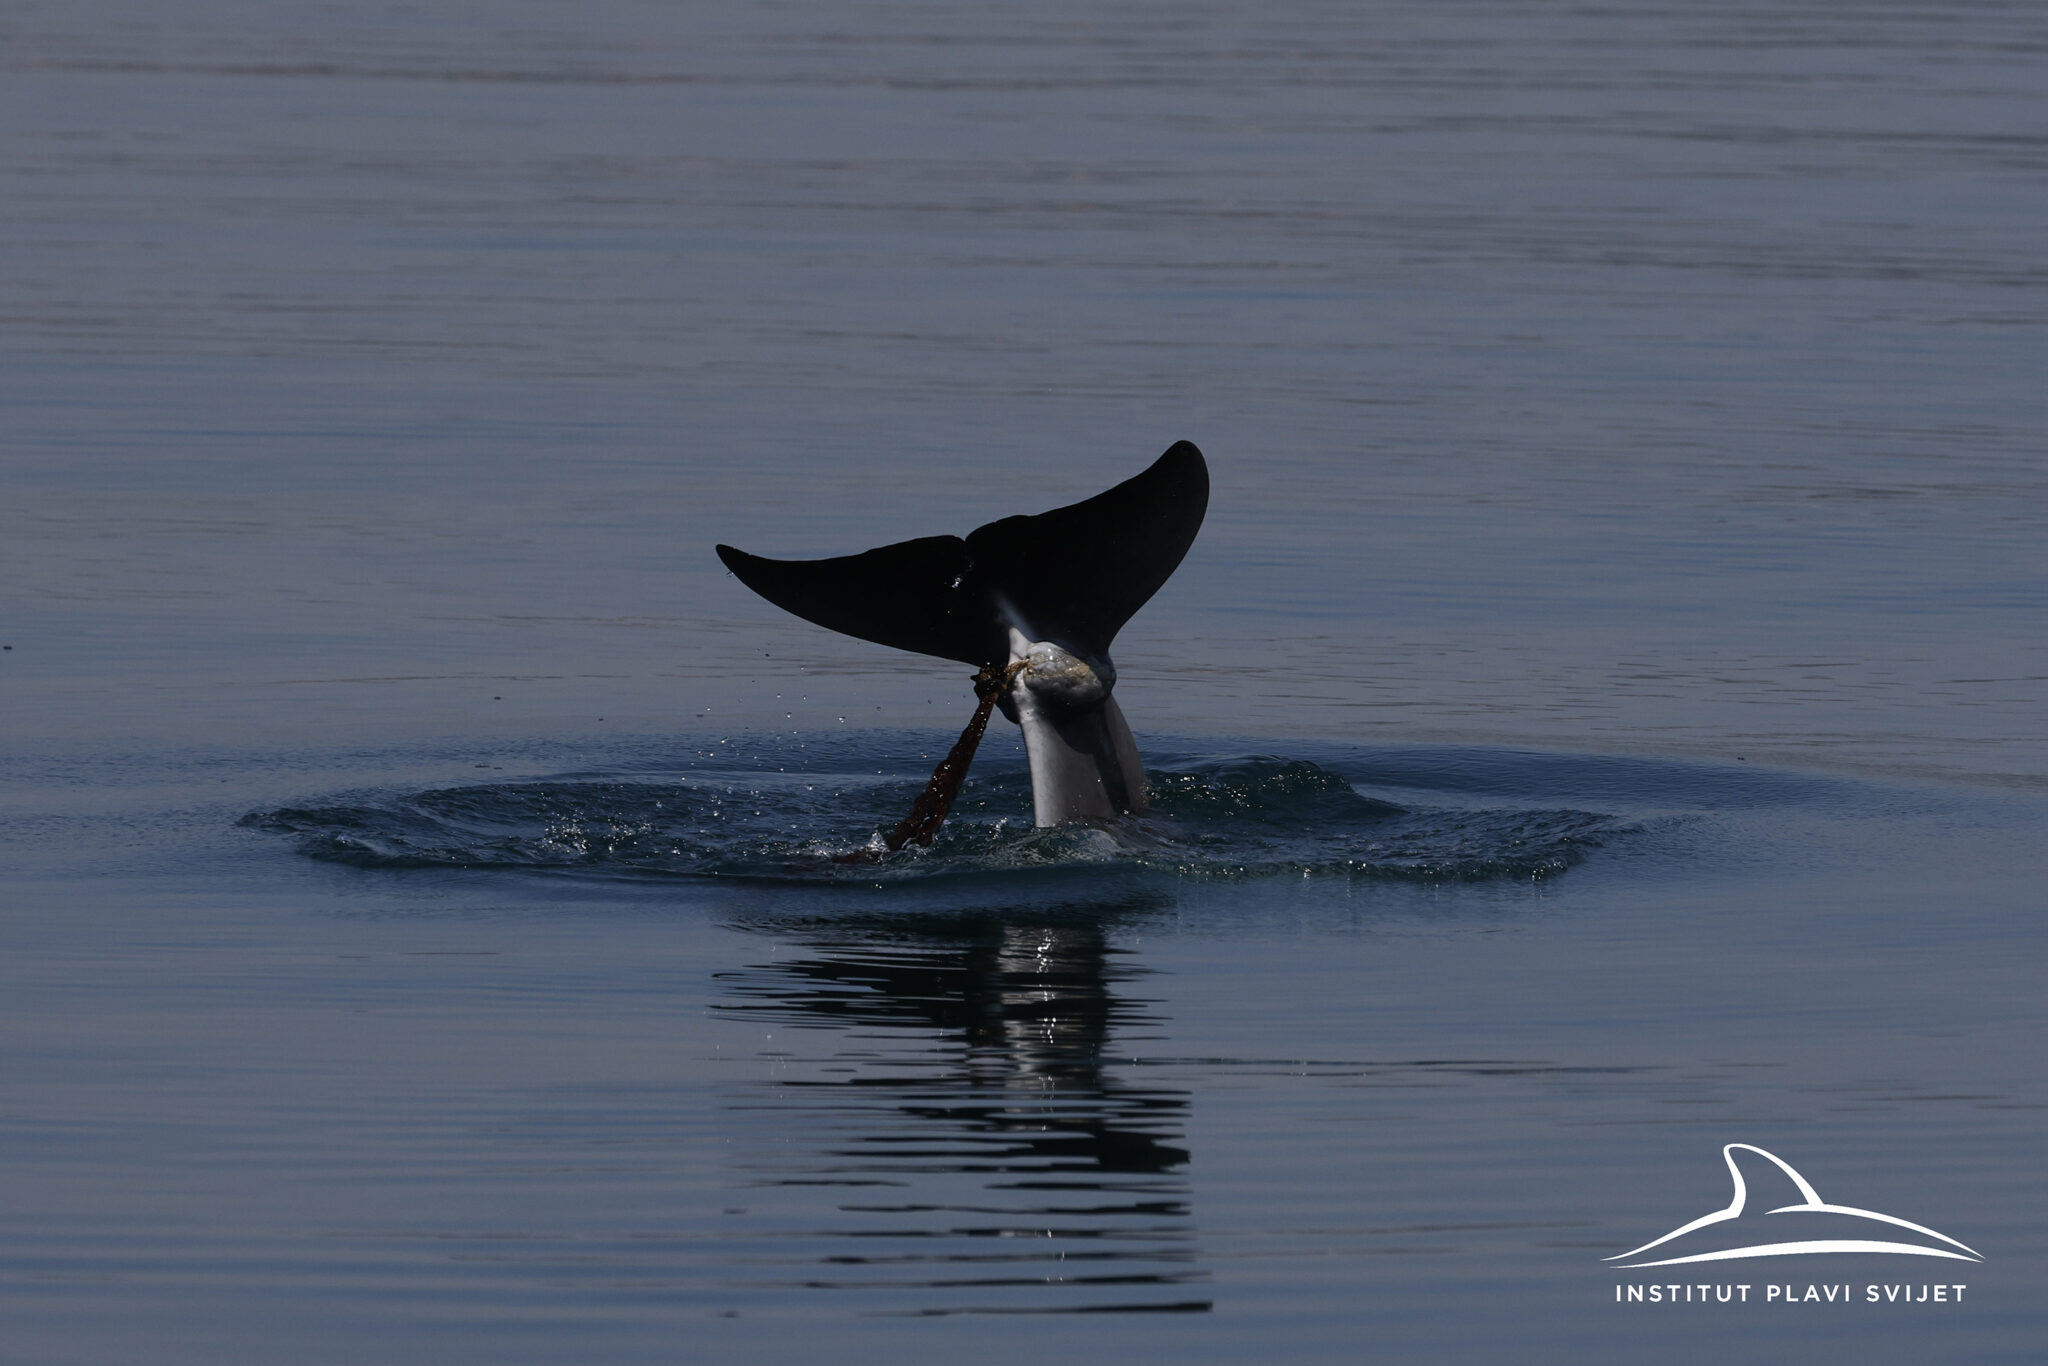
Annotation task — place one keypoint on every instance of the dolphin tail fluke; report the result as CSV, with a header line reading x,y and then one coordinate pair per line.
x,y
1073,575
904,595
1076,574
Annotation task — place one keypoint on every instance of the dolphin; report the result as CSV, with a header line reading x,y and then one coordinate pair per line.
x,y
1033,602
1808,1224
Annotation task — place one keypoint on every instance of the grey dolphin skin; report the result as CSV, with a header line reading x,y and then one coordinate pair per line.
x,y
1034,602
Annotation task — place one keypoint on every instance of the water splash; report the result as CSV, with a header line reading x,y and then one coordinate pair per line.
x,y
1254,816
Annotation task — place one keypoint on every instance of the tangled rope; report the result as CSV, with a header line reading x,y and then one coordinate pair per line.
x,y
929,811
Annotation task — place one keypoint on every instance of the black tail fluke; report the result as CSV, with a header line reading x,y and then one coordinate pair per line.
x,y
908,595
1072,576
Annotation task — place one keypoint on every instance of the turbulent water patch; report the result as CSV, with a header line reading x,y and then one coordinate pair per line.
x,y
1245,817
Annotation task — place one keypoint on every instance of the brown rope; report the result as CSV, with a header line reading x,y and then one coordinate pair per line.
x,y
928,812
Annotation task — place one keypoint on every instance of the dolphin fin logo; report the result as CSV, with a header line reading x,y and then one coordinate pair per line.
x,y
1809,1224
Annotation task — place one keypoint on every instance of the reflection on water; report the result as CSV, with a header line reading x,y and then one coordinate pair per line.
x,y
958,1125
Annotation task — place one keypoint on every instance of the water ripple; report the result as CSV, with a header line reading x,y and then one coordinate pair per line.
x,y
1238,817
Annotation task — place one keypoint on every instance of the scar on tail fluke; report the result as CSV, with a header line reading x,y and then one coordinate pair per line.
x,y
1033,603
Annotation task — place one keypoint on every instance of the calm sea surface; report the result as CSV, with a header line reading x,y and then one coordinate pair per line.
x,y
1604,718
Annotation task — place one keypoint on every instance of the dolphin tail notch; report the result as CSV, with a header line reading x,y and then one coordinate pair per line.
x,y
1072,576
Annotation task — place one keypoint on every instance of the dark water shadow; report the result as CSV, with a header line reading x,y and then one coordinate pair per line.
x,y
953,1110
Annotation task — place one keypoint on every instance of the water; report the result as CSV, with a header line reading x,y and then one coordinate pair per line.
x,y
1601,720
1247,817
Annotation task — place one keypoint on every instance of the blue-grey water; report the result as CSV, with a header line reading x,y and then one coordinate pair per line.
x,y
1604,718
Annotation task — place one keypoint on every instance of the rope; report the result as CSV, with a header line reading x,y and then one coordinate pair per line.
x,y
934,801
928,812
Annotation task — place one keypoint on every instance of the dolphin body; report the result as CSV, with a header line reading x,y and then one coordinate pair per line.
x,y
1786,1227
1048,592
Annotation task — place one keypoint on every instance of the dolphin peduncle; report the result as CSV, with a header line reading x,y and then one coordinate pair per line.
x,y
1034,602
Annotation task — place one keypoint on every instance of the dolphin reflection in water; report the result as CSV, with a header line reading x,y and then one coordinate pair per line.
x,y
1033,602
952,1133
